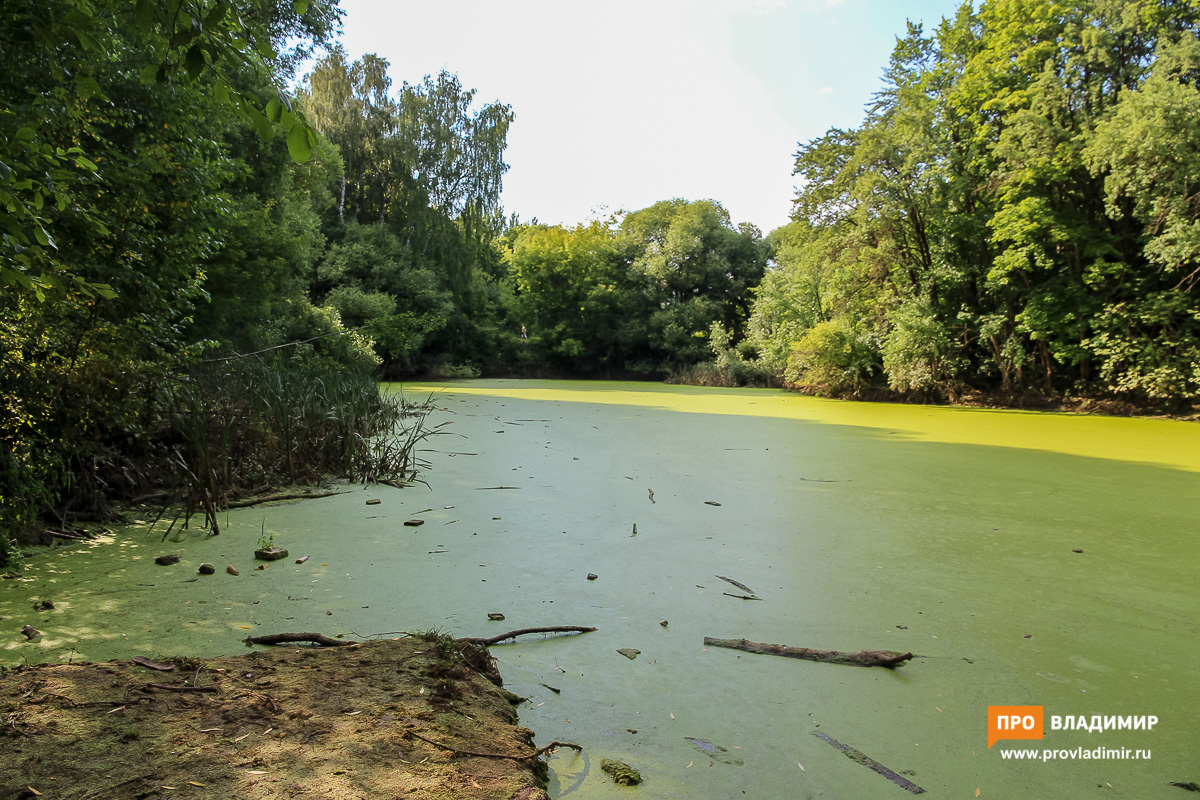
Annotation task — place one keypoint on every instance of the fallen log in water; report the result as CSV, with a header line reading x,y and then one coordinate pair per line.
x,y
863,658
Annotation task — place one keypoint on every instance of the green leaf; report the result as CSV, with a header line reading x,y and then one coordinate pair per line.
x,y
25,134
217,14
86,42
144,14
298,145
86,87
194,61
300,5
182,37
221,91
261,124
149,74
274,110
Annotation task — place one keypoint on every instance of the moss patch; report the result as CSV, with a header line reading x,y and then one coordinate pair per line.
x,y
621,772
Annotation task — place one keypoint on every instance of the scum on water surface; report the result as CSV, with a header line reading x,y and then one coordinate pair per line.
x,y
950,533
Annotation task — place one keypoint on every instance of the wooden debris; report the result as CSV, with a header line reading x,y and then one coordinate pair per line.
x,y
31,632
750,595
166,561
275,498
523,631
495,616
867,761
152,664
166,687
552,746
374,502
629,652
862,658
281,638
232,570
414,523
302,559
741,586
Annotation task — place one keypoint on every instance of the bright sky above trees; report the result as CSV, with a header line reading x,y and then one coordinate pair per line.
x,y
624,103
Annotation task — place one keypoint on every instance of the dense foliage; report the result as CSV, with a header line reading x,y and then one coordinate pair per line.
x,y
641,295
146,169
1017,213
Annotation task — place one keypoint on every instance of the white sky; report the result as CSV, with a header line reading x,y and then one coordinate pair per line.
x,y
624,103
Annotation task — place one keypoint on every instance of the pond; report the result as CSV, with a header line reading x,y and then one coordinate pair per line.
x,y
1025,559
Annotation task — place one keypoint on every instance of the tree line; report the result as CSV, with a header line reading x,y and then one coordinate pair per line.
x,y
1017,213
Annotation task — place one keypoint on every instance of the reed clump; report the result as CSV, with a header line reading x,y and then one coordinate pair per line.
x,y
237,427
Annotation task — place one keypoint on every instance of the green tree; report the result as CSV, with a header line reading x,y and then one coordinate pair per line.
x,y
694,268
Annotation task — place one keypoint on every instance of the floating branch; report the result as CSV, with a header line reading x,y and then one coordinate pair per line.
x,y
863,658
867,761
743,587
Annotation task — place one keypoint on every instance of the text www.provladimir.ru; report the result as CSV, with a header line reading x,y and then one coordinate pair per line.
x,y
1113,753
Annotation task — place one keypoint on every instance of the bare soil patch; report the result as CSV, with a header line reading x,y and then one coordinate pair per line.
x,y
292,722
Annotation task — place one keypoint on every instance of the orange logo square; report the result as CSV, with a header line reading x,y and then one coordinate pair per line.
x,y
1014,722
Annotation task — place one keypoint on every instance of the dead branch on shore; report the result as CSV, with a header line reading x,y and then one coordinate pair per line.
x,y
166,687
863,658
521,632
275,498
281,638
552,746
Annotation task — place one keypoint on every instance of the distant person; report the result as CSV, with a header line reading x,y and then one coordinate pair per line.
x,y
524,335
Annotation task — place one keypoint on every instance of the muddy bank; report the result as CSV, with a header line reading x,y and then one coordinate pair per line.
x,y
296,721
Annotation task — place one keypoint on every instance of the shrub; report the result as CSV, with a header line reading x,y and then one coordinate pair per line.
x,y
833,357
917,352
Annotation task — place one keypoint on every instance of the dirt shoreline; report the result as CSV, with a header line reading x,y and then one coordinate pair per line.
x,y
294,721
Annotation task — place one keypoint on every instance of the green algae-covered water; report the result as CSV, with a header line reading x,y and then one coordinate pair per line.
x,y
950,533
